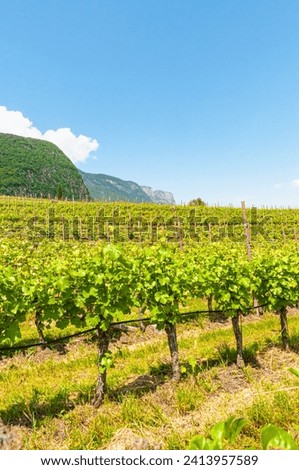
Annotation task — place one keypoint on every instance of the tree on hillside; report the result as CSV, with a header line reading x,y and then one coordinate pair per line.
x,y
59,191
197,202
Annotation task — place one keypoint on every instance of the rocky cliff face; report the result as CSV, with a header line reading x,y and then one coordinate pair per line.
x,y
158,196
108,188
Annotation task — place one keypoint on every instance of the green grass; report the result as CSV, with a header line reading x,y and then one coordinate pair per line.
x,y
46,394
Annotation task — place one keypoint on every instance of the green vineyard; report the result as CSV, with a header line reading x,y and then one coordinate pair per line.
x,y
88,271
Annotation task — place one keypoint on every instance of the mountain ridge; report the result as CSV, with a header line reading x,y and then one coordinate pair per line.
x,y
105,187
38,168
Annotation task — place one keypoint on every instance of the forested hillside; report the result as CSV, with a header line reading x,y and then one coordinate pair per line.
x,y
36,168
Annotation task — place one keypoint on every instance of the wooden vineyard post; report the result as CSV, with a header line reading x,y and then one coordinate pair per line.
x,y
246,230
283,233
296,239
297,247
248,247
180,234
139,233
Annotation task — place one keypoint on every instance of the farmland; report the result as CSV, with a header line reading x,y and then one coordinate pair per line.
x,y
115,270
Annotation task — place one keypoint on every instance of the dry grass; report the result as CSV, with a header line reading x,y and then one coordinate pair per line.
x,y
45,395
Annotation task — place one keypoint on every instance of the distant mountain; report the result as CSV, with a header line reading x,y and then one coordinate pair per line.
x,y
37,168
108,188
33,167
160,197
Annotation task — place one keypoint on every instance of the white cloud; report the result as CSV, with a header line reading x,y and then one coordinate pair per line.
x,y
295,183
15,123
77,148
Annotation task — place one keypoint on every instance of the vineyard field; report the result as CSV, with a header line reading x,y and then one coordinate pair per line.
x,y
120,222
146,300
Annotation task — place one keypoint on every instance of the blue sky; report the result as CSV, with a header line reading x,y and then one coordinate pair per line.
x,y
198,97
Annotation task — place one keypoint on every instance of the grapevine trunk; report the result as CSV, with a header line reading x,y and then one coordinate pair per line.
x,y
284,328
239,338
210,303
174,352
103,344
38,324
140,315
